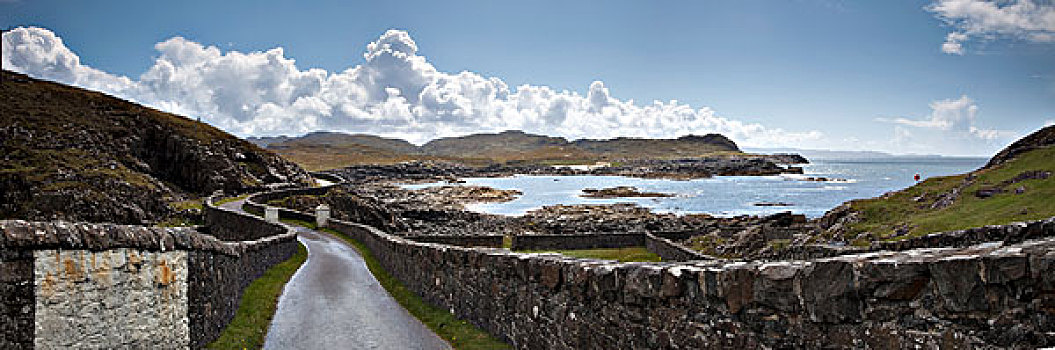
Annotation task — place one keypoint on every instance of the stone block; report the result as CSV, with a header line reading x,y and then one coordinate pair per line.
x,y
775,286
828,292
736,286
958,282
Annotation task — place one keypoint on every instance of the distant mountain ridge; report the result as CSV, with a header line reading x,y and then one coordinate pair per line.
x,y
842,154
511,145
326,138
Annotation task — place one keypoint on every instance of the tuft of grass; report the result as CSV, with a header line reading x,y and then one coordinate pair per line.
x,y
627,254
459,333
187,204
779,244
249,327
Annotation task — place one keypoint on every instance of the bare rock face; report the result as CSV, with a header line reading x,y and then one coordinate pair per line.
x,y
1043,138
78,155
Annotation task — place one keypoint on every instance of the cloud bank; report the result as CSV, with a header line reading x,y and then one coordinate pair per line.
x,y
1018,19
394,92
951,126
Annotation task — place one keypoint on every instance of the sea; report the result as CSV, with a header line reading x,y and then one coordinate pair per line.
x,y
728,196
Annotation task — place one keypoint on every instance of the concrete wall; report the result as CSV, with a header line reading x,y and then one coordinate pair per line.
x,y
112,298
115,286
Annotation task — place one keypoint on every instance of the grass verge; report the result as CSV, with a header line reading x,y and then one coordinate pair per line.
x,y
249,326
230,199
459,333
618,254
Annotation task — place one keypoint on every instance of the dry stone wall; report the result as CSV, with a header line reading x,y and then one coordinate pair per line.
x,y
956,298
577,241
76,285
998,294
462,241
1008,234
671,251
17,308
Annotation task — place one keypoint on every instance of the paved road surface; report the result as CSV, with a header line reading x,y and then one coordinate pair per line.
x,y
334,302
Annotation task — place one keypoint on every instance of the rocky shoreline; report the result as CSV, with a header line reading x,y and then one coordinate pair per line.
x,y
440,210
375,195
676,169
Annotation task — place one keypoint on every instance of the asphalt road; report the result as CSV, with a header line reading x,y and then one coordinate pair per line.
x,y
334,302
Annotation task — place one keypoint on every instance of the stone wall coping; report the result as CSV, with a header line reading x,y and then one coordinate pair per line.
x,y
921,255
37,235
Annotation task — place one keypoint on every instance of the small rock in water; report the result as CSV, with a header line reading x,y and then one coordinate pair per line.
x,y
772,204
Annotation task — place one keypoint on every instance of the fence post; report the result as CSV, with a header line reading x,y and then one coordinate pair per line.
x,y
322,214
271,214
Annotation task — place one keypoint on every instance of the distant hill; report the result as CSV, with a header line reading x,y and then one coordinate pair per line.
x,y
330,150
336,139
79,155
824,154
1017,184
500,145
682,147
264,141
327,150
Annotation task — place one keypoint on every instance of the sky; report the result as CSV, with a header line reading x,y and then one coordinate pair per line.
x,y
951,77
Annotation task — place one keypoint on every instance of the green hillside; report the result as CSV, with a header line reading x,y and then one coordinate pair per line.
x,y
1016,188
73,154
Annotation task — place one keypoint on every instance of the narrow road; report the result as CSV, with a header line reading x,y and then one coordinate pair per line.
x,y
334,302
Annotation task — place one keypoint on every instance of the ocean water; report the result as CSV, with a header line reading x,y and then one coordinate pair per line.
x,y
731,195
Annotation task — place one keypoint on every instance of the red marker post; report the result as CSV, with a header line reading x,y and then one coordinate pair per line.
x,y
916,177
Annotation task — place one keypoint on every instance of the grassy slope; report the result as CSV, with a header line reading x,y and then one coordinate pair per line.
x,y
459,333
259,300
882,215
617,254
71,153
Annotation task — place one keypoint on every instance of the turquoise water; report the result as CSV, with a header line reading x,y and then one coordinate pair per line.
x,y
730,195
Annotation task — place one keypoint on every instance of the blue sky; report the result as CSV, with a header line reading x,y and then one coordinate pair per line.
x,y
815,74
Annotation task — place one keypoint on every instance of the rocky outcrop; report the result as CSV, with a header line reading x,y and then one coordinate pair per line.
x,y
620,192
787,158
1043,138
77,155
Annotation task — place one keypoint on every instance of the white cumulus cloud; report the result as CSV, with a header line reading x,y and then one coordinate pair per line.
x,y
1019,19
394,92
